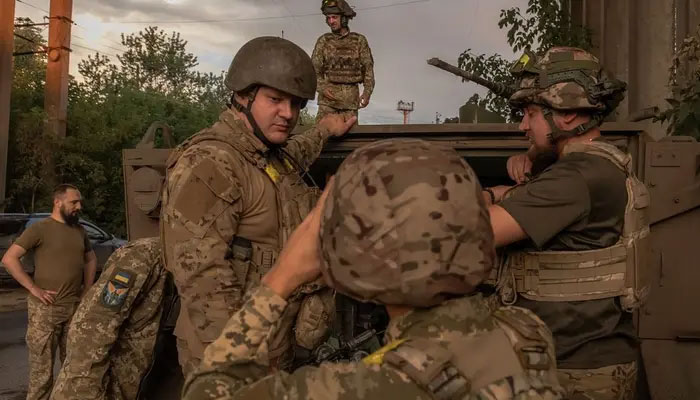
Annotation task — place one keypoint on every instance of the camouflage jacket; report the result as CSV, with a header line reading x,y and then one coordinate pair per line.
x,y
461,349
229,205
113,332
341,62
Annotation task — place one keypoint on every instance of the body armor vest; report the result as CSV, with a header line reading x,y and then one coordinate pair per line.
x,y
618,270
463,365
344,59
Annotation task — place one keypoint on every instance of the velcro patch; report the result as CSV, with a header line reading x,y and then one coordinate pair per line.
x,y
115,290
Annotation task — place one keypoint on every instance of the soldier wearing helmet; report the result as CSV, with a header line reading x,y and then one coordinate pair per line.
x,y
575,232
342,60
402,224
236,191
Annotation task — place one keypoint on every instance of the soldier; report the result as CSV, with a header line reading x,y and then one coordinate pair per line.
x,y
65,267
235,192
113,333
402,224
342,60
577,231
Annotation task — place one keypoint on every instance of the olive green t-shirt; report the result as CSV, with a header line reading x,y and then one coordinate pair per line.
x,y
59,257
578,203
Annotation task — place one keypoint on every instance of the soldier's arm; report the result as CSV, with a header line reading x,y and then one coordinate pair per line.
x,y
305,147
317,59
202,212
236,365
367,68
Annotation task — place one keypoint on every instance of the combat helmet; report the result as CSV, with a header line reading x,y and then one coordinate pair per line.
x,y
274,62
566,79
338,7
405,224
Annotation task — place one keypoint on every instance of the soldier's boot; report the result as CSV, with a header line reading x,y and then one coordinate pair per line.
x,y
613,382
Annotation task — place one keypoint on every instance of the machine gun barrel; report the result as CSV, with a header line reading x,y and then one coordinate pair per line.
x,y
498,88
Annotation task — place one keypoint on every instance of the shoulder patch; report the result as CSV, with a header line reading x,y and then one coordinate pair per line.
x,y
117,287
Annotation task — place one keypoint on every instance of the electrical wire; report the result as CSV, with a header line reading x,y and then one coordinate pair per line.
x,y
33,6
209,21
95,50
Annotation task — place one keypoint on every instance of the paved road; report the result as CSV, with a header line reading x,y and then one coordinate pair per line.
x,y
13,355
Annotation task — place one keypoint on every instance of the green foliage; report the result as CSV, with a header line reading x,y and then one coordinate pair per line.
x,y
683,114
545,23
494,68
109,110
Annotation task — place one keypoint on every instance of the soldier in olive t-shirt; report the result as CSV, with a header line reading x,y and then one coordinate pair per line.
x,y
578,203
64,264
59,257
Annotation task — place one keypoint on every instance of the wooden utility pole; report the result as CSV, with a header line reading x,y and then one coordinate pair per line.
x,y
56,91
7,26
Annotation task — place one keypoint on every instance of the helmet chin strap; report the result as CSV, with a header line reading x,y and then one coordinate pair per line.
x,y
557,134
251,120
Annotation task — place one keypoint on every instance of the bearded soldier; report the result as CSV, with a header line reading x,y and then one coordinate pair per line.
x,y
576,232
342,60
235,192
403,224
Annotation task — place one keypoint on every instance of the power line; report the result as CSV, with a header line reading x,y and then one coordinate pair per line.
x,y
101,45
106,38
95,50
209,21
33,6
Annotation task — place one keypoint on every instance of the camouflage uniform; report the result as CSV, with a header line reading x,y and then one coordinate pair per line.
x,y
112,335
47,327
570,80
404,224
342,62
217,239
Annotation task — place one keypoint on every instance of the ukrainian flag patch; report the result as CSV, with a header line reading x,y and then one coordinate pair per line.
x,y
115,290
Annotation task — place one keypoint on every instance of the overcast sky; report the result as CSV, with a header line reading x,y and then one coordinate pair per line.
x,y
402,38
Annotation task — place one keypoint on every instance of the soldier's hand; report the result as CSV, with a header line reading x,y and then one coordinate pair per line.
x,y
299,261
328,93
336,124
364,101
518,166
45,296
499,191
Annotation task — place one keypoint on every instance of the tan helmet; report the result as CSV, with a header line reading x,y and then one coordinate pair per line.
x,y
339,7
405,224
567,79
274,62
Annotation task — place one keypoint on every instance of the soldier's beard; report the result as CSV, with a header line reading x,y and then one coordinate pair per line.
x,y
70,219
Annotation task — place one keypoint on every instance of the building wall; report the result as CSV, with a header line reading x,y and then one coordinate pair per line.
x,y
635,40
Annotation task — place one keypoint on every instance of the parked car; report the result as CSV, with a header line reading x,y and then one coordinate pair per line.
x,y
12,226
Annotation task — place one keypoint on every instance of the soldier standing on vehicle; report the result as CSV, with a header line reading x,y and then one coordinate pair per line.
x,y
236,191
402,224
64,269
575,233
342,60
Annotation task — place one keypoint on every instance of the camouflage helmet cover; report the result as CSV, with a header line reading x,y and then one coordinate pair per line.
x,y
274,62
339,7
405,223
566,79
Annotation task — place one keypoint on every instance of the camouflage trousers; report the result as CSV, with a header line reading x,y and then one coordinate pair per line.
x,y
614,382
325,110
46,331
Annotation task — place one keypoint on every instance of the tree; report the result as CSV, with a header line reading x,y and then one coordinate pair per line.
x,y
545,23
683,113
109,110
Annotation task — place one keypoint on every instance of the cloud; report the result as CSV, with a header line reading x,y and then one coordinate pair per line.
x,y
402,38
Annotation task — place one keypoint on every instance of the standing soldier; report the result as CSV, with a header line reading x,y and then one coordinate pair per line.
x,y
342,60
63,263
582,224
236,191
403,225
